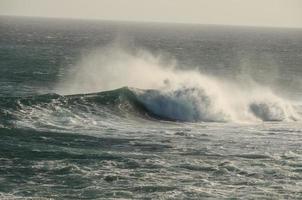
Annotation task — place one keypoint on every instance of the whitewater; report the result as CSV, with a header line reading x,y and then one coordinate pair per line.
x,y
104,110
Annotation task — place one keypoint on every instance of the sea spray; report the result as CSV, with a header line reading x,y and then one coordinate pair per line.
x,y
185,95
121,143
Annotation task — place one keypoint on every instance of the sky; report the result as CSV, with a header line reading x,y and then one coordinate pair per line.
x,y
276,13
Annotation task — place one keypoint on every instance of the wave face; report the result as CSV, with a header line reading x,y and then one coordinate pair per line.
x,y
195,105
186,104
98,109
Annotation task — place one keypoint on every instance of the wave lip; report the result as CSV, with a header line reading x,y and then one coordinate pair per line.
x,y
185,104
273,111
268,111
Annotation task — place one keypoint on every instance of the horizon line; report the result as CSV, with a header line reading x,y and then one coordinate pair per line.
x,y
150,21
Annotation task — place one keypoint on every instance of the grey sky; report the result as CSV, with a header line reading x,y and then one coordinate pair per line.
x,y
282,13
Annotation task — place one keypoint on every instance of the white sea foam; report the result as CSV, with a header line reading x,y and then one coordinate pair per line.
x,y
186,95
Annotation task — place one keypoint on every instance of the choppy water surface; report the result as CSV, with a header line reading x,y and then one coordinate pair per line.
x,y
208,112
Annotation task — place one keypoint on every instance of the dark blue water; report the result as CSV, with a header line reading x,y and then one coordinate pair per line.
x,y
100,110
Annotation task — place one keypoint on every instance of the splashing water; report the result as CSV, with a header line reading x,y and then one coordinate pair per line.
x,y
89,140
175,94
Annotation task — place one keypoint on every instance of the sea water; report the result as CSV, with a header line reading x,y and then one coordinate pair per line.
x,y
107,110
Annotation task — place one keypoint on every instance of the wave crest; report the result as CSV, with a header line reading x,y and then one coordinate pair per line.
x,y
186,104
195,105
93,110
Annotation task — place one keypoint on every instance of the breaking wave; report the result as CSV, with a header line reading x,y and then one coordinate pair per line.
x,y
99,109
157,89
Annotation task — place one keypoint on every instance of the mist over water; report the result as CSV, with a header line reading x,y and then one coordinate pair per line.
x,y
104,110
180,93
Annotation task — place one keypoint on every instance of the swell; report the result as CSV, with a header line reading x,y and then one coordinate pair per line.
x,y
183,104
71,111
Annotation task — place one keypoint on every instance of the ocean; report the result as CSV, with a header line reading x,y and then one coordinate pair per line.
x,y
130,110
